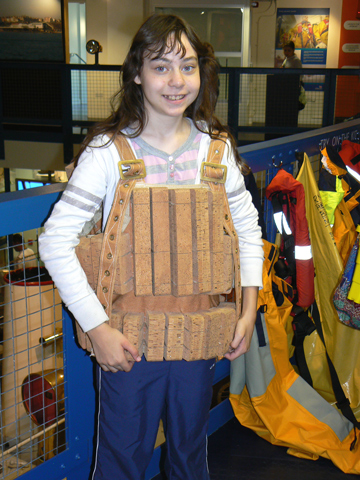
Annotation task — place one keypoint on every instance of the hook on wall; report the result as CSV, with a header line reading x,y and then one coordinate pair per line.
x,y
279,165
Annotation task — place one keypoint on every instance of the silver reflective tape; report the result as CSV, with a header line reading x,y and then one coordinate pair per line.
x,y
303,252
83,193
237,192
77,203
308,398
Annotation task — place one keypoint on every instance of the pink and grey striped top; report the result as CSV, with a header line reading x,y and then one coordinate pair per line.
x,y
179,168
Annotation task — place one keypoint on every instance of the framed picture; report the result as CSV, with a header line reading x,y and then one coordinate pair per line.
x,y
32,30
308,29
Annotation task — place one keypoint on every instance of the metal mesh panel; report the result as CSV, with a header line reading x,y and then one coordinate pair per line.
x,y
31,93
221,110
312,115
91,92
255,86
256,95
32,375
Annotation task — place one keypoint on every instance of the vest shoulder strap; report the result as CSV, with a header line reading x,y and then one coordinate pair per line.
x,y
214,174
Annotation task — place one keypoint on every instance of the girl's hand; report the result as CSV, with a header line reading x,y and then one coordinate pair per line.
x,y
110,349
245,325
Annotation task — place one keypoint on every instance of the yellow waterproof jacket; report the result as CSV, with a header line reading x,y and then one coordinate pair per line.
x,y
276,402
342,342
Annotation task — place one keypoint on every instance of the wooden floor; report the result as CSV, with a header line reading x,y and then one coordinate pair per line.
x,y
237,453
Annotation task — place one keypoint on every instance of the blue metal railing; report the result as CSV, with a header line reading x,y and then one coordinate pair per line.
x,y
51,110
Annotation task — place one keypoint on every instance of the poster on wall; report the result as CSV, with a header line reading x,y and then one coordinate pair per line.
x,y
32,30
308,28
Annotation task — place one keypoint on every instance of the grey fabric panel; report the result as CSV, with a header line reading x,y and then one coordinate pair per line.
x,y
237,375
320,408
260,369
83,193
78,203
257,366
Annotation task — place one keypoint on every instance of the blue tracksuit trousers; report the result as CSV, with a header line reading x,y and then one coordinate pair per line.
x,y
130,408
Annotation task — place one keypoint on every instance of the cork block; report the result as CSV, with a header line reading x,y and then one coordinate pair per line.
x,y
181,242
142,241
173,353
133,329
201,239
160,223
141,224
124,275
88,253
116,318
194,336
217,263
217,240
213,321
154,335
143,274
218,220
193,345
174,336
228,326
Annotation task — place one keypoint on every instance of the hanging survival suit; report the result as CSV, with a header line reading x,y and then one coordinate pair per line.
x,y
268,396
342,343
288,201
159,273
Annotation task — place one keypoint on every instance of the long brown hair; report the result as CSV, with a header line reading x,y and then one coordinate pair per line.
x,y
160,33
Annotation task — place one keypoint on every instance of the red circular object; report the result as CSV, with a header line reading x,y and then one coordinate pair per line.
x,y
39,399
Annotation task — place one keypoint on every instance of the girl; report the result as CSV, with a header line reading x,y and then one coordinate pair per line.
x,y
166,112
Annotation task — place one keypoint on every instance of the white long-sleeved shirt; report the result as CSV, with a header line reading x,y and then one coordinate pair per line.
x,y
94,182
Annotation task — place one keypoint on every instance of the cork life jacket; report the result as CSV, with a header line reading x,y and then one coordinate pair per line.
x,y
165,257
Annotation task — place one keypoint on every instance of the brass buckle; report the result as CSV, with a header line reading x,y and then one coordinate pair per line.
x,y
131,177
212,179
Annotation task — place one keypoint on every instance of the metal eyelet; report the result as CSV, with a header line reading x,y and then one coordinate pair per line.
x,y
109,255
107,273
105,290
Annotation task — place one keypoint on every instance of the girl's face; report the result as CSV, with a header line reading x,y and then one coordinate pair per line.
x,y
288,52
170,83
